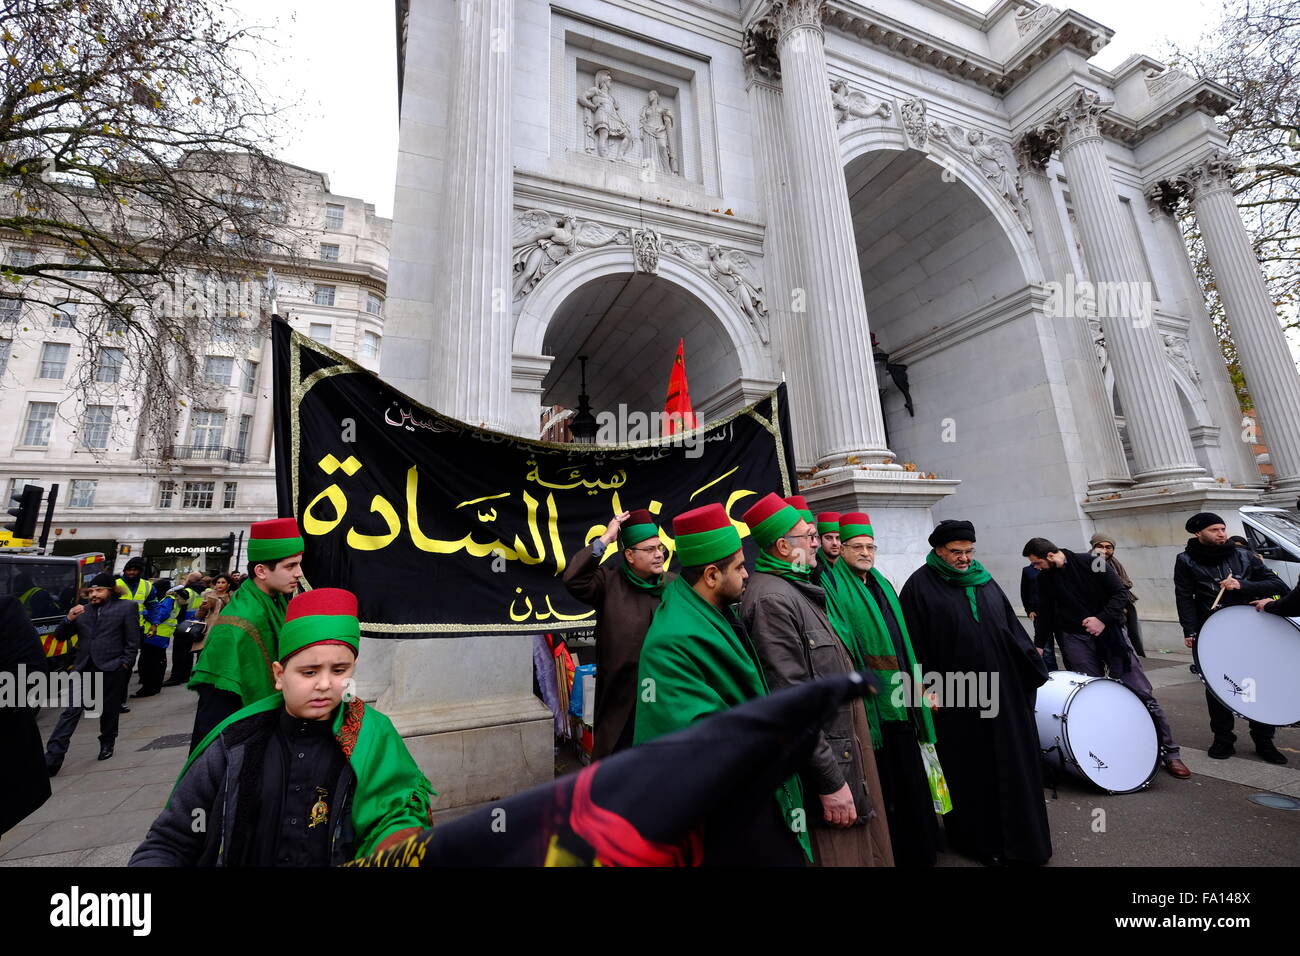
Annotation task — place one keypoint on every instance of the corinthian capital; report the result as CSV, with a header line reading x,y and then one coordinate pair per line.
x,y
1214,171
791,14
1079,118
1035,147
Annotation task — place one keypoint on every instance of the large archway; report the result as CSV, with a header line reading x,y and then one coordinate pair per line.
x,y
951,286
628,324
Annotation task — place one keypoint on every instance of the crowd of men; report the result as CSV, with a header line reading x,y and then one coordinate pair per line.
x,y
289,769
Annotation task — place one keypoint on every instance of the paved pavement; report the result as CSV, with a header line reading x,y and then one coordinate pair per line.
x,y
101,810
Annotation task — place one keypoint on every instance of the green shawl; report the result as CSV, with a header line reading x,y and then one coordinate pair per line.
x,y
698,664
770,564
391,793
969,579
655,587
242,644
861,626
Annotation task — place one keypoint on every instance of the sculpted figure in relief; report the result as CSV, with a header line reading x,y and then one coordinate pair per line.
x,y
657,135
603,122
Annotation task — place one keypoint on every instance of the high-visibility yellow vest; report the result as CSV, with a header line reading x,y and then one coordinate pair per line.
x,y
26,596
168,627
141,594
196,599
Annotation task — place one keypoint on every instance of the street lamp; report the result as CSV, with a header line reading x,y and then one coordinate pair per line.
x,y
583,425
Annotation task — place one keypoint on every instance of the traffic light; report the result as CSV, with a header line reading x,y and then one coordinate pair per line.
x,y
228,549
25,515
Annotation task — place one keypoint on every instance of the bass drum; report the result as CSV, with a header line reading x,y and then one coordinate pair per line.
x,y
1251,662
1099,730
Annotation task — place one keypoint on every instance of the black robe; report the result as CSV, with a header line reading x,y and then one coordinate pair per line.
x,y
992,764
22,755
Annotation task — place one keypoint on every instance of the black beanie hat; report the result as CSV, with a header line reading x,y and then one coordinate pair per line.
x,y
102,580
1202,520
951,529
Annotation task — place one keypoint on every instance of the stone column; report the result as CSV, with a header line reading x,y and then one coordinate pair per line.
x,y
470,363
781,256
1162,449
1106,467
850,422
260,440
1237,458
1261,345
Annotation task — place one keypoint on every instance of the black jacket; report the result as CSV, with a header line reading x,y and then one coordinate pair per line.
x,y
22,755
108,635
1099,591
225,782
1198,571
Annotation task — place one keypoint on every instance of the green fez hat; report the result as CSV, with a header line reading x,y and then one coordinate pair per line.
x,y
800,504
320,616
704,536
274,539
770,518
828,522
855,523
639,526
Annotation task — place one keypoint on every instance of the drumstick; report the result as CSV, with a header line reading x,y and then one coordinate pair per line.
x,y
1215,605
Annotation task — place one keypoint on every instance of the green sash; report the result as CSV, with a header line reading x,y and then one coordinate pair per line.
x,y
242,644
969,579
698,664
861,626
770,564
656,586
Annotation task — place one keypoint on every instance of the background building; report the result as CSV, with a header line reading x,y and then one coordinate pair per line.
x,y
220,475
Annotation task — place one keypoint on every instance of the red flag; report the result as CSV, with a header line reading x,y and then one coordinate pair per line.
x,y
678,415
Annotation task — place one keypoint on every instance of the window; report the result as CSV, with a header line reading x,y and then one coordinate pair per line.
x,y
197,494
65,315
245,429
320,333
18,484
108,365
374,304
73,259
218,369
83,493
96,426
6,346
333,216
329,252
324,295
250,376
54,359
22,258
228,494
10,309
116,325
208,428
166,491
40,418
369,345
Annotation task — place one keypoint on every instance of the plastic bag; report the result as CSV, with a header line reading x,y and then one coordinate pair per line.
x,y
938,783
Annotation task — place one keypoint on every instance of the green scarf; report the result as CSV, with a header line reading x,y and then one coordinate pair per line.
x,y
242,644
391,793
770,564
699,665
861,626
969,579
656,586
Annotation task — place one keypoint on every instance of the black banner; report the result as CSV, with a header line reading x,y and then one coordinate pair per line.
x,y
441,528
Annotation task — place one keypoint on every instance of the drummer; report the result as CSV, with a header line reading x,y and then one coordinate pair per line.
x,y
1211,571
1084,609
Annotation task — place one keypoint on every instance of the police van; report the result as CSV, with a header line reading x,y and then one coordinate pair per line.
x,y
47,587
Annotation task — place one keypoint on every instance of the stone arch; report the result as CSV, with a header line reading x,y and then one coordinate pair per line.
x,y
867,138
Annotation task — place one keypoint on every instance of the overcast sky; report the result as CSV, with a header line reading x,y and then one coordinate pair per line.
x,y
335,61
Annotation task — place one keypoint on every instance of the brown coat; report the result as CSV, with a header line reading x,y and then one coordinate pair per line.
x,y
795,643
623,614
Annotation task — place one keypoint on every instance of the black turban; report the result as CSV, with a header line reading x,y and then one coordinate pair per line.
x,y
1202,520
103,581
951,529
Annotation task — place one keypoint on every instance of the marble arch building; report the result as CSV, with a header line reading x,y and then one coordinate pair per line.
x,y
776,181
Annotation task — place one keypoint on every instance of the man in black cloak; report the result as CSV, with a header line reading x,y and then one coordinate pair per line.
x,y
965,631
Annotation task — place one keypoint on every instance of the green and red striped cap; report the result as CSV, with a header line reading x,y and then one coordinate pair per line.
x,y
771,517
828,522
274,539
853,524
800,504
320,616
704,536
639,526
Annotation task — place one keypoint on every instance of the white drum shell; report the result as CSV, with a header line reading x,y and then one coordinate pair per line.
x,y
1105,733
